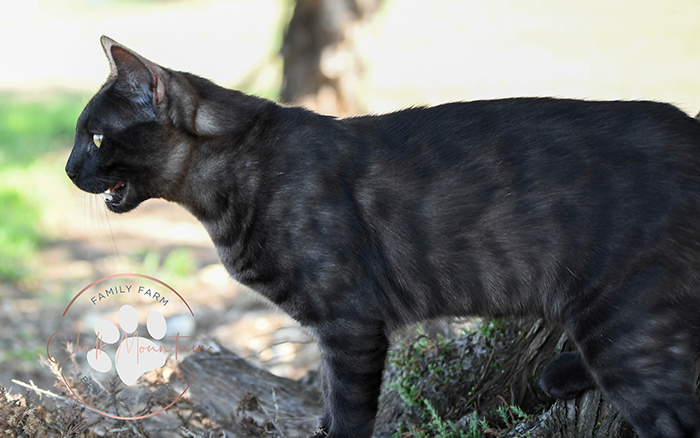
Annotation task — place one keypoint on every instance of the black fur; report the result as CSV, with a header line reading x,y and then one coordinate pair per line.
x,y
566,377
584,213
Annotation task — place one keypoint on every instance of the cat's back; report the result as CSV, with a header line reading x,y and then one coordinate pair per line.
x,y
553,139
548,117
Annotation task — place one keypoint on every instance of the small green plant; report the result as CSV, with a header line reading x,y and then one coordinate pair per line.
x,y
511,414
476,426
519,412
491,329
437,427
447,429
435,379
408,384
408,391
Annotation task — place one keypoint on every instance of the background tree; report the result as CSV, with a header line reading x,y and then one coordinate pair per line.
x,y
323,67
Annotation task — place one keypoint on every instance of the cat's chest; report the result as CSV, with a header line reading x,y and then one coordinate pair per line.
x,y
241,255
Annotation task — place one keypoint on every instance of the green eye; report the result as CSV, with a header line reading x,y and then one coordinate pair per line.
x,y
97,139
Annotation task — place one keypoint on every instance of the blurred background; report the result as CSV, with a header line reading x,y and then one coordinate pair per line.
x,y
337,56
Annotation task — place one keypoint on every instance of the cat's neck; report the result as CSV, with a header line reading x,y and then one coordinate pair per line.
x,y
218,168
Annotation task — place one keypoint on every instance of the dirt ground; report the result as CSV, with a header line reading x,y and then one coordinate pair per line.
x,y
223,310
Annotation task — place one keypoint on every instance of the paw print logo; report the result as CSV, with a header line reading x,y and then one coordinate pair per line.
x,y
135,355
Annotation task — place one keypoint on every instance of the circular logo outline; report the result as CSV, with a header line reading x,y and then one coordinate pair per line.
x,y
65,381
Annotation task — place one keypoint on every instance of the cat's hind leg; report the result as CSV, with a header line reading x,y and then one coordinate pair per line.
x,y
643,358
566,376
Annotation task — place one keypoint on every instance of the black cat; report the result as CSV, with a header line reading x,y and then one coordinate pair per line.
x,y
584,213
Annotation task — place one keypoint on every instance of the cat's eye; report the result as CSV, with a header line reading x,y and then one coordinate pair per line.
x,y
97,139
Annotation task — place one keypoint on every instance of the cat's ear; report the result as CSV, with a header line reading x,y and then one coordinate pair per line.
x,y
132,71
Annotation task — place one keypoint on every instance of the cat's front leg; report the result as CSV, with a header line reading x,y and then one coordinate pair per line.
x,y
353,354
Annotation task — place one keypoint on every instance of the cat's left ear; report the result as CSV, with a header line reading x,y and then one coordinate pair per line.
x,y
134,71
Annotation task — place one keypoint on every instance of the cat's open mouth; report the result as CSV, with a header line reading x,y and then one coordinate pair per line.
x,y
115,194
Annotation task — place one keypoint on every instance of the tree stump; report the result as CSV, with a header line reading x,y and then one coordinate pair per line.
x,y
500,368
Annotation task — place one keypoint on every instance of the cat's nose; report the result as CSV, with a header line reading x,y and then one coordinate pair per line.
x,y
71,169
72,174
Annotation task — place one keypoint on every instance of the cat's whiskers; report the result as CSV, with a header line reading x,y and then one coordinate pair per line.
x,y
94,212
111,232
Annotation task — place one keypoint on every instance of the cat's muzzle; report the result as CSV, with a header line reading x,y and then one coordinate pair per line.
x,y
115,194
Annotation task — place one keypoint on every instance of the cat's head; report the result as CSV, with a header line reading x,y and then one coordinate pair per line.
x,y
131,140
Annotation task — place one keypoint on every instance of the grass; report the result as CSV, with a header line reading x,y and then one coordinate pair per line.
x,y
19,232
177,265
29,130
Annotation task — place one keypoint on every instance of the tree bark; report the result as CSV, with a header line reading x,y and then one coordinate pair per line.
x,y
588,416
249,401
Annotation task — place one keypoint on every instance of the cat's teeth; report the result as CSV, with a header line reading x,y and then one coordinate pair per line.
x,y
107,196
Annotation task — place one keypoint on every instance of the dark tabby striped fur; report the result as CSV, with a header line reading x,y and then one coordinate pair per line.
x,y
584,213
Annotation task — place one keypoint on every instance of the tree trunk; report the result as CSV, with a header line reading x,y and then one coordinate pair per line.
x,y
323,68
247,400
487,370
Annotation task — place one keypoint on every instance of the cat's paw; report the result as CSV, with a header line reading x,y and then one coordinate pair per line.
x,y
135,355
566,377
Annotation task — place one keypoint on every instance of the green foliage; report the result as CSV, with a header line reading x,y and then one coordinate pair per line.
x,y
19,233
29,129
476,426
517,410
511,415
439,428
407,384
491,329
27,355
177,264
415,373
436,427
